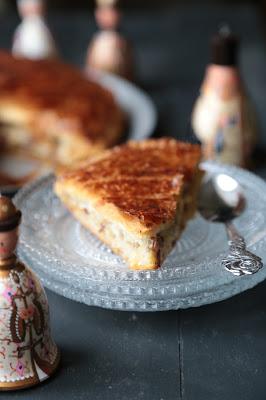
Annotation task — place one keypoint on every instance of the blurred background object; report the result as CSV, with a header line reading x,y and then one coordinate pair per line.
x,y
84,4
32,38
109,51
170,39
223,119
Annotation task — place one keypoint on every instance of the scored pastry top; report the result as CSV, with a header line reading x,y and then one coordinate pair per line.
x,y
143,180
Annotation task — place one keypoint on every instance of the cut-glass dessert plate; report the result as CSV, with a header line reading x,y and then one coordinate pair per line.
x,y
75,264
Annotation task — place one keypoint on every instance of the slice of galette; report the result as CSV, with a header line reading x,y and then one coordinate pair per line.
x,y
136,198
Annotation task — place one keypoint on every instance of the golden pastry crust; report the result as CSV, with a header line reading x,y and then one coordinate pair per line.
x,y
138,182
135,197
63,115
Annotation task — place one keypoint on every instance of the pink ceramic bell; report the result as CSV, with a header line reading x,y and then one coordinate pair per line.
x,y
32,38
28,354
109,51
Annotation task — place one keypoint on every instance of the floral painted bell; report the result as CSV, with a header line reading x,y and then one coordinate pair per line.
x,y
28,354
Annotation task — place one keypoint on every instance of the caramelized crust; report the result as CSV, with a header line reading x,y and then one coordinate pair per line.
x,y
152,158
143,180
136,198
50,98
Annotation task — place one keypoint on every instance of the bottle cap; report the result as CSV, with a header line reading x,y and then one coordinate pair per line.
x,y
107,3
9,215
224,47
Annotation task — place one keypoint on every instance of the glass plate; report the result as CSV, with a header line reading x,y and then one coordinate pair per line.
x,y
74,263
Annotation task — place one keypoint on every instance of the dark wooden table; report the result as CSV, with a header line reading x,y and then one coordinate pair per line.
x,y
213,352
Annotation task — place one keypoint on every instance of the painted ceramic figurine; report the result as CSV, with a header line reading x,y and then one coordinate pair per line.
x,y
28,355
32,38
109,51
223,118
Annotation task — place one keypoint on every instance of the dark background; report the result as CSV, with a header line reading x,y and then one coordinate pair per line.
x,y
87,4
